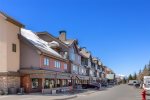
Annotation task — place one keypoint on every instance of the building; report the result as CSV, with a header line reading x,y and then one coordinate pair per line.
x,y
86,61
40,62
43,67
74,57
9,52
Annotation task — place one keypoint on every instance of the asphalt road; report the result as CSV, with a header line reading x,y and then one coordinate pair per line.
x,y
121,92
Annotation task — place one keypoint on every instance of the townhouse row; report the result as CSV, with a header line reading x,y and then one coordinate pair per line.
x,y
39,62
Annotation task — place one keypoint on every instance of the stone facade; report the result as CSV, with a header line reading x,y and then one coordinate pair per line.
x,y
7,82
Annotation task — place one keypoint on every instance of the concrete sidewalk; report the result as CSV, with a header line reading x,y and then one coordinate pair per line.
x,y
61,96
68,95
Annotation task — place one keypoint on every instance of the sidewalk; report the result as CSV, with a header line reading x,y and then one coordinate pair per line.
x,y
65,95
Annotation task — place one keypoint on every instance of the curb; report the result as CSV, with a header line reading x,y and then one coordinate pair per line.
x,y
67,98
90,93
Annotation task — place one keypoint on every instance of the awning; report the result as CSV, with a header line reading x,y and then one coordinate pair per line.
x,y
46,74
83,77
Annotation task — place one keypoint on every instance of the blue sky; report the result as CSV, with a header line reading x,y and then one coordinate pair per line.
x,y
116,31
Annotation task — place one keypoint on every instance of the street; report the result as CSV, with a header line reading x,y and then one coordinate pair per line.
x,y
120,92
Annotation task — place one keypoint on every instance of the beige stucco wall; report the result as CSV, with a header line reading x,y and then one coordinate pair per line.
x,y
9,61
3,45
29,57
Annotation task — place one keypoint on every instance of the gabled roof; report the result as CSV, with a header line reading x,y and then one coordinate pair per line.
x,y
38,43
12,20
99,62
94,59
85,53
50,35
69,42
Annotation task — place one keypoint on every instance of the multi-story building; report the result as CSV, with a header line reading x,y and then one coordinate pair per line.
x,y
86,61
100,66
98,69
74,57
9,52
40,62
42,67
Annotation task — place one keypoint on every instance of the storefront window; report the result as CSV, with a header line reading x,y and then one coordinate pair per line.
x,y
69,82
35,83
64,82
52,84
58,83
47,83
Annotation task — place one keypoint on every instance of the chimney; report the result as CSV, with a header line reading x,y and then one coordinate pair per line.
x,y
62,35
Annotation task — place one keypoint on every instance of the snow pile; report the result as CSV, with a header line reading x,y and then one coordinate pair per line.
x,y
53,43
39,43
66,42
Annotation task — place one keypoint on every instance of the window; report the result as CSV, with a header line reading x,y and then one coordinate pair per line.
x,y
75,69
13,47
72,54
65,66
57,64
35,83
47,83
46,61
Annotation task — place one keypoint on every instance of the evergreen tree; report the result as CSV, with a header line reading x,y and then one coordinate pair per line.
x,y
124,81
145,68
135,76
130,77
140,71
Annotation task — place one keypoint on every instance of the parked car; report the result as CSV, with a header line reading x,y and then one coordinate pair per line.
x,y
104,84
111,83
91,85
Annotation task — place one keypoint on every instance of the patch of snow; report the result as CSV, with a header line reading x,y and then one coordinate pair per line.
x,y
36,41
66,42
53,43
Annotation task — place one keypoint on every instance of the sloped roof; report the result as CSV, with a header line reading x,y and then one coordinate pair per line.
x,y
99,62
85,53
38,43
12,20
50,35
69,42
95,59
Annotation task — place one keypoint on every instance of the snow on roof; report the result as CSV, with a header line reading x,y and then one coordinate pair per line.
x,y
54,42
66,42
39,43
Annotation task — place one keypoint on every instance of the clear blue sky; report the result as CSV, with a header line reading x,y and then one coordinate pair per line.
x,y
116,31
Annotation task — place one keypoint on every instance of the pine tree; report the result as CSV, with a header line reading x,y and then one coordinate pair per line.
x,y
135,76
124,81
130,77
140,71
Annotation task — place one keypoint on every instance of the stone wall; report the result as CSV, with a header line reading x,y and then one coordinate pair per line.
x,y
9,82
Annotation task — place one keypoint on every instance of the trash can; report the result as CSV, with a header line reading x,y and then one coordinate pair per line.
x,y
21,90
12,90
